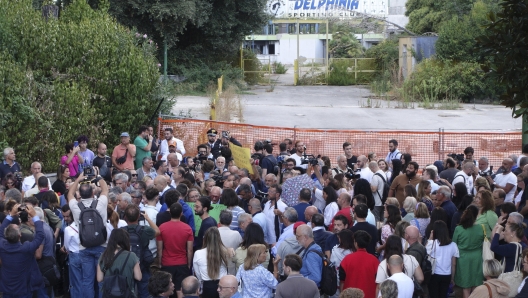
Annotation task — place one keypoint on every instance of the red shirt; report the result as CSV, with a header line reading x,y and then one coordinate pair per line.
x,y
346,212
175,235
360,270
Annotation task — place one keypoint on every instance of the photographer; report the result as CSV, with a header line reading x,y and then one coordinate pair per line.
x,y
466,176
341,166
506,180
89,255
484,168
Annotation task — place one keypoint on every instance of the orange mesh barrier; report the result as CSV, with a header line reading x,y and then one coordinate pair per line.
x,y
424,147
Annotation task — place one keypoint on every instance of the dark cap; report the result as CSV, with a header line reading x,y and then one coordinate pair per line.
x,y
212,132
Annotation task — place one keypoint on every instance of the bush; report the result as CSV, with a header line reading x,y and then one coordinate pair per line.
x,y
80,74
342,72
279,68
437,80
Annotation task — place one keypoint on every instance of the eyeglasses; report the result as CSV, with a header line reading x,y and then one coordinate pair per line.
x,y
134,175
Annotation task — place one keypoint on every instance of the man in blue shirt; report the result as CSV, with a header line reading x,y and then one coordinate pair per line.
x,y
19,274
9,165
312,265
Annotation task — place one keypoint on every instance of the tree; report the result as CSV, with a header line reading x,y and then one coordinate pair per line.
x,y
345,45
455,41
504,47
80,74
197,32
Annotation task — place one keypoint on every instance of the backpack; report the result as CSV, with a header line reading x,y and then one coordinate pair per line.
x,y
142,252
275,164
427,268
49,270
115,285
328,275
92,229
386,188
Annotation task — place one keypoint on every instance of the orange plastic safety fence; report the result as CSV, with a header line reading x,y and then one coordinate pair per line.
x,y
424,147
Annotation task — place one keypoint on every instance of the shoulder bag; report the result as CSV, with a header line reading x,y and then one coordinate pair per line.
x,y
432,259
487,254
515,277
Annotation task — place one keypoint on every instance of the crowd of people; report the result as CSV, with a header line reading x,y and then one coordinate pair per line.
x,y
152,221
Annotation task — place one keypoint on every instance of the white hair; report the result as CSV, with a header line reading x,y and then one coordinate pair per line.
x,y
7,151
126,197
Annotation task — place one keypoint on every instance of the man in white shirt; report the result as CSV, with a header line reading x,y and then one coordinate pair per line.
x,y
365,173
341,166
429,175
405,283
152,210
506,180
465,176
376,186
71,246
31,181
273,217
230,238
297,156
164,146
394,153
255,210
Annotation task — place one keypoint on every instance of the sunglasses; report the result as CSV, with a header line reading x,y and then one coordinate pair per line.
x,y
134,175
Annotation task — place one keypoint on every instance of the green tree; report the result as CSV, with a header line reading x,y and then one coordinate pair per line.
x,y
425,15
345,45
455,41
198,32
504,47
80,74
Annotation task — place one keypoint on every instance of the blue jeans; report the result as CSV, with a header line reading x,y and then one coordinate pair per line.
x,y
142,286
89,258
76,275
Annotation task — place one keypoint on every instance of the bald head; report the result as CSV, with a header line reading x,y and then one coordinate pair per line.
x,y
309,212
373,166
160,182
190,286
304,230
229,280
245,180
507,164
173,160
412,234
233,170
395,260
362,161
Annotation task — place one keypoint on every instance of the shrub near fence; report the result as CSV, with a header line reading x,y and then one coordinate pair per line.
x,y
425,147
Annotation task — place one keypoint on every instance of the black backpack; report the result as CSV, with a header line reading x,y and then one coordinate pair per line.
x,y
328,276
49,270
92,229
275,164
427,268
386,188
115,285
142,252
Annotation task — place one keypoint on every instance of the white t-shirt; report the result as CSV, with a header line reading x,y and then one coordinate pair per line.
x,y
443,255
270,216
152,213
405,285
409,262
298,161
378,182
502,180
109,227
71,238
366,174
461,176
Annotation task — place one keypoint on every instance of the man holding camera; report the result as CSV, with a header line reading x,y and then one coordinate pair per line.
x,y
341,166
143,143
124,153
506,180
89,255
351,159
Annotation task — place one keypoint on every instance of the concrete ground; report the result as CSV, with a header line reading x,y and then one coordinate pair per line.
x,y
346,107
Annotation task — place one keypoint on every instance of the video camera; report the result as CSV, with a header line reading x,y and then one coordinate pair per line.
x,y
309,158
19,177
351,173
457,157
487,173
218,179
